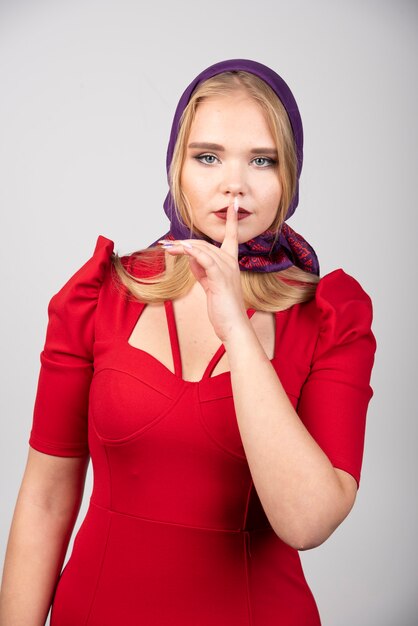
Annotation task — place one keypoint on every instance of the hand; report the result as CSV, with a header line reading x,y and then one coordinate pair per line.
x,y
217,270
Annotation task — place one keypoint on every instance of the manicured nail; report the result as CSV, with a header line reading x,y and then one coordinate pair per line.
x,y
236,204
185,244
167,244
162,241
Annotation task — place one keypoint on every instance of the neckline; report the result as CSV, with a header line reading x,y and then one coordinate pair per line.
x,y
175,346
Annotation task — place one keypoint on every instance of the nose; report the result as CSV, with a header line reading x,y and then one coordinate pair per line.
x,y
234,180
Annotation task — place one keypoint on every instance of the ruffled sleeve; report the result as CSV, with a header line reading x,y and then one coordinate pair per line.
x,y
59,424
335,396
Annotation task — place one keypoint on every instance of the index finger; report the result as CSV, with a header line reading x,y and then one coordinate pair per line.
x,y
230,242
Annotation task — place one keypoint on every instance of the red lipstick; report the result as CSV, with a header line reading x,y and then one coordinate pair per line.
x,y
242,213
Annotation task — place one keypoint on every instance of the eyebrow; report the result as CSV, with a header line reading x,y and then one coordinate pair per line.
x,y
219,148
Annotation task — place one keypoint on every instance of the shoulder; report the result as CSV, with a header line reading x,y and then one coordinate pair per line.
x,y
338,290
91,274
344,309
79,295
338,285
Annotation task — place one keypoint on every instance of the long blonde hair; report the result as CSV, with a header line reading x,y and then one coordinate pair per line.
x,y
270,291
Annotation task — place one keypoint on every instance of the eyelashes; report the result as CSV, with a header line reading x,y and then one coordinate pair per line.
x,y
201,158
268,161
205,160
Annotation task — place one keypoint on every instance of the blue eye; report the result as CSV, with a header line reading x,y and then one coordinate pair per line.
x,y
207,159
265,161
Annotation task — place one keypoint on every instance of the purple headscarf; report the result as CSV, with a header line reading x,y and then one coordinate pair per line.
x,y
257,254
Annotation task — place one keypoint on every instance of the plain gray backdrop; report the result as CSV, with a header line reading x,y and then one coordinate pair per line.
x,y
88,91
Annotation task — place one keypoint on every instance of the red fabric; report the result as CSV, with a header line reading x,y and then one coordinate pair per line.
x,y
175,532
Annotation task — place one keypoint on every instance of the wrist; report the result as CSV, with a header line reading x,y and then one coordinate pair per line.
x,y
240,336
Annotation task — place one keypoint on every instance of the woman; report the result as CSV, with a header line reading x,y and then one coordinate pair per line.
x,y
219,385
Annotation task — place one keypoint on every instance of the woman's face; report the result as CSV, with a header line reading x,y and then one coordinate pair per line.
x,y
231,152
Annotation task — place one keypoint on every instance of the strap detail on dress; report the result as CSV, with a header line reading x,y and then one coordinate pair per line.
x,y
220,352
174,340
175,345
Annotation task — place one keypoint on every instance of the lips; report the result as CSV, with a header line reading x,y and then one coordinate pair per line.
x,y
241,215
240,210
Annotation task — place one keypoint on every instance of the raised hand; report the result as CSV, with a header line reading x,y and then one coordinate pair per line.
x,y
217,270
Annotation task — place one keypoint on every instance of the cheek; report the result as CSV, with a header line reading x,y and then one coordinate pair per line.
x,y
266,184
189,179
194,184
270,200
184,178
271,192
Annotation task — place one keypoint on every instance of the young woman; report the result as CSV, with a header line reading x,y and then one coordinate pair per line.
x,y
219,384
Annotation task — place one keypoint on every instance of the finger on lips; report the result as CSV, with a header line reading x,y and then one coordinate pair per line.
x,y
168,244
229,243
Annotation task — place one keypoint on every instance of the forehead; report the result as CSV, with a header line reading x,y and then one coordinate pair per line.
x,y
233,114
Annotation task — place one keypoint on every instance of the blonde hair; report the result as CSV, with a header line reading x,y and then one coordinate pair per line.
x,y
265,291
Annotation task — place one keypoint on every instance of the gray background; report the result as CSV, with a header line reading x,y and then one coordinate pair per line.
x,y
88,90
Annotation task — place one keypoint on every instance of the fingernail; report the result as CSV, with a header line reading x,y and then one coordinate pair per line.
x,y
167,244
185,244
162,241
236,204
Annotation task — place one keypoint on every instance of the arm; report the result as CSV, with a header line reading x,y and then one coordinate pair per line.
x,y
304,497
53,483
46,510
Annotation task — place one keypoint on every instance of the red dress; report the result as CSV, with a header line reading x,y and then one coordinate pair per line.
x,y
175,533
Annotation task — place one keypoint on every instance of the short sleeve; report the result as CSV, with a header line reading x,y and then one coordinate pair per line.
x,y
59,425
335,396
